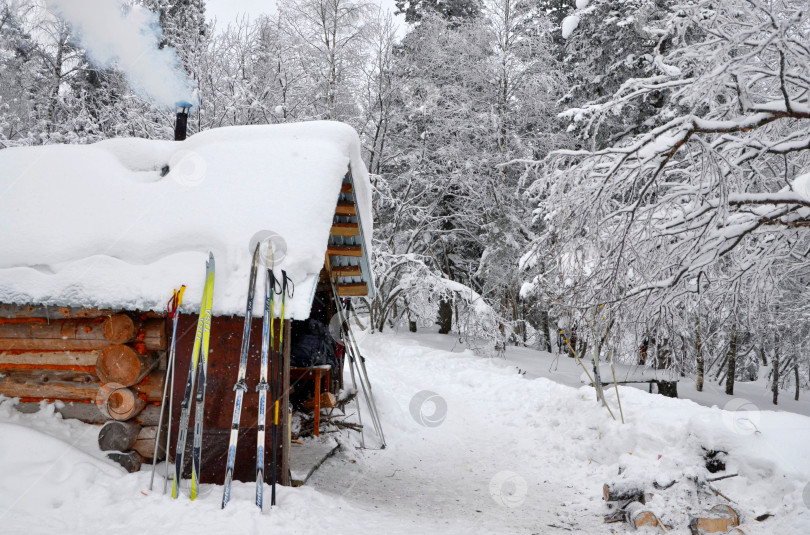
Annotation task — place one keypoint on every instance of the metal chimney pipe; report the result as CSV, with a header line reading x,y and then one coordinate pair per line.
x,y
181,123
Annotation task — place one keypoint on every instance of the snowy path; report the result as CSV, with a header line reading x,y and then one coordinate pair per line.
x,y
451,472
501,454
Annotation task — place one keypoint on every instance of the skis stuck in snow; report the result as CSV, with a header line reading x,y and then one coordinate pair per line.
x,y
199,363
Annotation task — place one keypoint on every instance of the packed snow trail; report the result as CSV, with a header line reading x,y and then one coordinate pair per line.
x,y
485,451
491,451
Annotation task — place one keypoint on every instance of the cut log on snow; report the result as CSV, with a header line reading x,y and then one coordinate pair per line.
x,y
145,443
720,519
638,517
131,461
49,384
118,402
39,334
121,364
118,436
623,491
16,359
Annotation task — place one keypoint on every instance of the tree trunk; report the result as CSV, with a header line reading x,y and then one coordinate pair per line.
x,y
545,328
699,355
445,320
411,321
732,361
663,355
796,376
597,376
775,374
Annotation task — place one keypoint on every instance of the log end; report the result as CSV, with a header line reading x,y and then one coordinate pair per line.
x,y
119,328
120,364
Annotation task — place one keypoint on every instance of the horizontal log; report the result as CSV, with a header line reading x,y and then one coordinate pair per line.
x,y
49,384
345,229
145,443
149,415
47,359
131,460
622,492
12,311
638,517
33,386
344,250
150,389
122,364
345,209
153,335
352,290
62,335
347,271
118,436
80,410
118,402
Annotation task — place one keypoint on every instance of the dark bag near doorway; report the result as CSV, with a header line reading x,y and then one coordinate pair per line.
x,y
313,346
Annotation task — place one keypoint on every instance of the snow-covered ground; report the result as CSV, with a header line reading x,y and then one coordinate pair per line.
x,y
473,447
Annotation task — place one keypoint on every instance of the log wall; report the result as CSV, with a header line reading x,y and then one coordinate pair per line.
x,y
109,366
104,364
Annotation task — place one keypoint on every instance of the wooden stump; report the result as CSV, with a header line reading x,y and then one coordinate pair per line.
x,y
118,436
122,364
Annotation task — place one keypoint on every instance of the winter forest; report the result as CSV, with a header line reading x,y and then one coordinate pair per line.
x,y
628,179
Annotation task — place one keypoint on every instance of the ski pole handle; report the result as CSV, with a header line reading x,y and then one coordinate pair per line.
x,y
175,301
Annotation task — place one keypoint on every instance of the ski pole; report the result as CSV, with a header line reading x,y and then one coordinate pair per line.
x,y
286,284
171,308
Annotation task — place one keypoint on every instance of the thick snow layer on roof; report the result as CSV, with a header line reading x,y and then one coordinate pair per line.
x,y
97,225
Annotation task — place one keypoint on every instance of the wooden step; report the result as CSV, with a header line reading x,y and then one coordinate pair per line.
x,y
344,250
345,229
347,271
353,290
345,209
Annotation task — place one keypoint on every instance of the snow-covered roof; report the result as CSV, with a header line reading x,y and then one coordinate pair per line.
x,y
98,226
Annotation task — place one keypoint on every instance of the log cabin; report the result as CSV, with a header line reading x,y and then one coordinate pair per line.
x,y
95,238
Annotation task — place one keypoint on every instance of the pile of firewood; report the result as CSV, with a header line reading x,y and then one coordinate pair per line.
x,y
104,366
632,502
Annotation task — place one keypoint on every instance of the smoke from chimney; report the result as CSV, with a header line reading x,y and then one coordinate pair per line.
x,y
126,38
